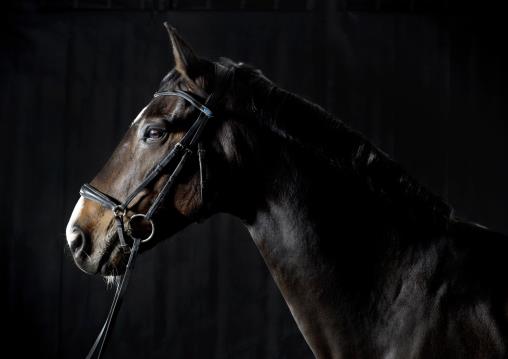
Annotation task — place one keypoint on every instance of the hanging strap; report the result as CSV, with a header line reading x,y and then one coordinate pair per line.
x,y
116,304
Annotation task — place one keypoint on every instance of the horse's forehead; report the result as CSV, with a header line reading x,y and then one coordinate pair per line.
x,y
162,106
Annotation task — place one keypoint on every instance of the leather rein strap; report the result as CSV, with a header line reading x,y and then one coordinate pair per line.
x,y
181,152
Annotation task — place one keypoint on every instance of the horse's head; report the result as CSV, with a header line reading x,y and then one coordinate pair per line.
x,y
199,189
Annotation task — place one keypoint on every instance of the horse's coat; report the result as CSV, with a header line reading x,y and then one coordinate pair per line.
x,y
370,263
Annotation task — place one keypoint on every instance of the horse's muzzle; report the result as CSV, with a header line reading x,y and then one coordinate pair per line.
x,y
76,238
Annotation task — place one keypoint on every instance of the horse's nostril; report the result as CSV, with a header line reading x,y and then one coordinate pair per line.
x,y
78,240
79,244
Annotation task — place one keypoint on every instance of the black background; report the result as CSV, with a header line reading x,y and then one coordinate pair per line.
x,y
425,81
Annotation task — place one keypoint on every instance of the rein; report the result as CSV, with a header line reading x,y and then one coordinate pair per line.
x,y
182,151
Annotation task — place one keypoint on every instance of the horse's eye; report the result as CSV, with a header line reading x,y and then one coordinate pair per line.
x,y
154,134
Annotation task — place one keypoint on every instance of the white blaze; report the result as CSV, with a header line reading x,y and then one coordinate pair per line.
x,y
139,116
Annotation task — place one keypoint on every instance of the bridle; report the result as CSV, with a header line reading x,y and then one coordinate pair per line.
x,y
180,154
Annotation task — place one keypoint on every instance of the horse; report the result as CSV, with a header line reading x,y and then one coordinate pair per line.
x,y
370,263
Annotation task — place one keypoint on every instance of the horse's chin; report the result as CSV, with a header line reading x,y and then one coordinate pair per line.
x,y
113,260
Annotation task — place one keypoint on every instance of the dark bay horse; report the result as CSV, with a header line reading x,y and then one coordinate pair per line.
x,y
370,263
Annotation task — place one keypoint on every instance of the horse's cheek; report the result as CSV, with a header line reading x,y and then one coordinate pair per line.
x,y
187,197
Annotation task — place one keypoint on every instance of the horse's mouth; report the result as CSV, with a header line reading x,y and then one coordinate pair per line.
x,y
114,258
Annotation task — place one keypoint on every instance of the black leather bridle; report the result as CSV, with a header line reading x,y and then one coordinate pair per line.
x,y
180,153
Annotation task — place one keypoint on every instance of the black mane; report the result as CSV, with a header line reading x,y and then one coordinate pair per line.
x,y
299,121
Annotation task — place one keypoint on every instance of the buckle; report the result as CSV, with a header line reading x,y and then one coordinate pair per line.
x,y
119,211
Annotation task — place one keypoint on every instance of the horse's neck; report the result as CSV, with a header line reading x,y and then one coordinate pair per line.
x,y
325,260
326,239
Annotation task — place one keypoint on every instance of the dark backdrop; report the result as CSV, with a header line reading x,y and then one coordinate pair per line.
x,y
427,85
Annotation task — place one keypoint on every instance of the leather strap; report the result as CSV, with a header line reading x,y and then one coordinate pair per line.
x,y
100,341
202,174
189,98
92,193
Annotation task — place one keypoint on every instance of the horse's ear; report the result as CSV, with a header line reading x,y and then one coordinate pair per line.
x,y
186,61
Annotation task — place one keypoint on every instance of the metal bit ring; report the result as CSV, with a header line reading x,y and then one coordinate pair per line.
x,y
129,227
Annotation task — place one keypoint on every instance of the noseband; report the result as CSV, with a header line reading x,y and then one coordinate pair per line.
x,y
181,152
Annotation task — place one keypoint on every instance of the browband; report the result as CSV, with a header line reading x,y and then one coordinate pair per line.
x,y
205,110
